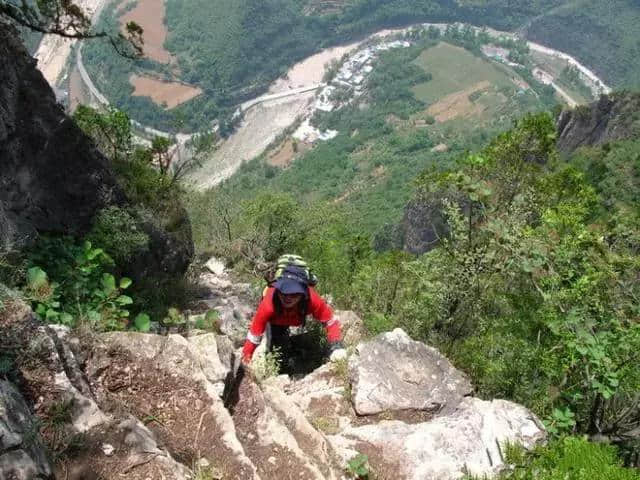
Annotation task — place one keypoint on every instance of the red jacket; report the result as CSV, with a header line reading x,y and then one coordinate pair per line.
x,y
266,312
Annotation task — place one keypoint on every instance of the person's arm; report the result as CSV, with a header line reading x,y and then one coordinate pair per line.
x,y
258,325
322,312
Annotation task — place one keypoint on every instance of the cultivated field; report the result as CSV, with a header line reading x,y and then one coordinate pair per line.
x,y
170,94
150,15
454,70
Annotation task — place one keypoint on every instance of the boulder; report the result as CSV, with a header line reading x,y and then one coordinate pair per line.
x,y
469,440
394,372
22,454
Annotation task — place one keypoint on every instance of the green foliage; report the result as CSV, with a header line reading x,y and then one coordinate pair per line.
x,y
119,234
569,458
110,130
267,365
76,286
358,467
210,321
142,322
174,318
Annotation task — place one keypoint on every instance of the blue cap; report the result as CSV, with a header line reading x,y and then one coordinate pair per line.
x,y
289,286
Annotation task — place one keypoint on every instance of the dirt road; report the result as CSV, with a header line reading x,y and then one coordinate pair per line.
x,y
53,51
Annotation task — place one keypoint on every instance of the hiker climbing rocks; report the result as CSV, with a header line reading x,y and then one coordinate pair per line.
x,y
285,303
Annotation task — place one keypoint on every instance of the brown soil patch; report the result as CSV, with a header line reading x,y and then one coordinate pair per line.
x,y
458,104
149,14
382,468
88,462
177,410
77,92
170,94
406,416
286,153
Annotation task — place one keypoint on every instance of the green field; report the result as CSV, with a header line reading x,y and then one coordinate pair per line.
x,y
454,69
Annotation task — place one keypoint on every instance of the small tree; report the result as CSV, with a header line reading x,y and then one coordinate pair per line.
x,y
68,20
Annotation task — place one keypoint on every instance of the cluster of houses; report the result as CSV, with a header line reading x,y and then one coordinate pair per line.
x,y
350,76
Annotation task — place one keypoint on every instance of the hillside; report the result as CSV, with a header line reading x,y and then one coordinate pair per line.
x,y
421,105
232,51
476,248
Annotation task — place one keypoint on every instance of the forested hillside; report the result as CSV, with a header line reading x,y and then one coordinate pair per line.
x,y
233,50
393,132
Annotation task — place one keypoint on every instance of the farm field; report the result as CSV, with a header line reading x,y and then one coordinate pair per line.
x,y
454,69
555,66
150,15
166,94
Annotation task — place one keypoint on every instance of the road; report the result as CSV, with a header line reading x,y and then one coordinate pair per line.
x,y
274,96
547,79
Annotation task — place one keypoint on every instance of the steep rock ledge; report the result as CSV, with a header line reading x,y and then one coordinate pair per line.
x,y
52,177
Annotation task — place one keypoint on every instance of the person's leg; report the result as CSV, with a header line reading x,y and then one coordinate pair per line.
x,y
278,337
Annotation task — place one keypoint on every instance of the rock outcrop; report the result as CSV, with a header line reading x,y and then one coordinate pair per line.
x,y
52,177
393,372
22,455
612,117
138,406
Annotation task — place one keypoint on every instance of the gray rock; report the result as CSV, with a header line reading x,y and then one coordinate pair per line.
x,y
215,266
353,330
611,118
393,372
53,179
471,438
22,455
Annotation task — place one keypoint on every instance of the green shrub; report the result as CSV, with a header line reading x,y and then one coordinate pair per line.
x,y
70,284
358,467
570,458
118,233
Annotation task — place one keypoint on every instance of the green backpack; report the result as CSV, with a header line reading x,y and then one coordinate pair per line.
x,y
291,260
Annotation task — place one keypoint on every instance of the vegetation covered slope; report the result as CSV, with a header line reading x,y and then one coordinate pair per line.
x,y
391,134
233,50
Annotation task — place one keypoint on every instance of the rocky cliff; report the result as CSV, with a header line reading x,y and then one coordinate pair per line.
x,y
612,117
52,178
145,406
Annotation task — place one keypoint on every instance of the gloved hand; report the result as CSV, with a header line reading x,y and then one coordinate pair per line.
x,y
338,352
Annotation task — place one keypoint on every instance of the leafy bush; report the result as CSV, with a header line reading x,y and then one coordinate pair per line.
x,y
75,286
570,458
358,467
267,365
118,233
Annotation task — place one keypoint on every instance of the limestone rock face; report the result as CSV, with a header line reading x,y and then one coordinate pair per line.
x,y
611,118
234,302
471,437
393,372
149,406
22,455
52,177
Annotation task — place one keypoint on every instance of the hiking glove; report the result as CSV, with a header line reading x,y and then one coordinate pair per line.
x,y
337,352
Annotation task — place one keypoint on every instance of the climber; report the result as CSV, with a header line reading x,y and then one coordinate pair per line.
x,y
286,303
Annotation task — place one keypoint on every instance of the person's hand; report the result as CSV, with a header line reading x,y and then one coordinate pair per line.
x,y
338,354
